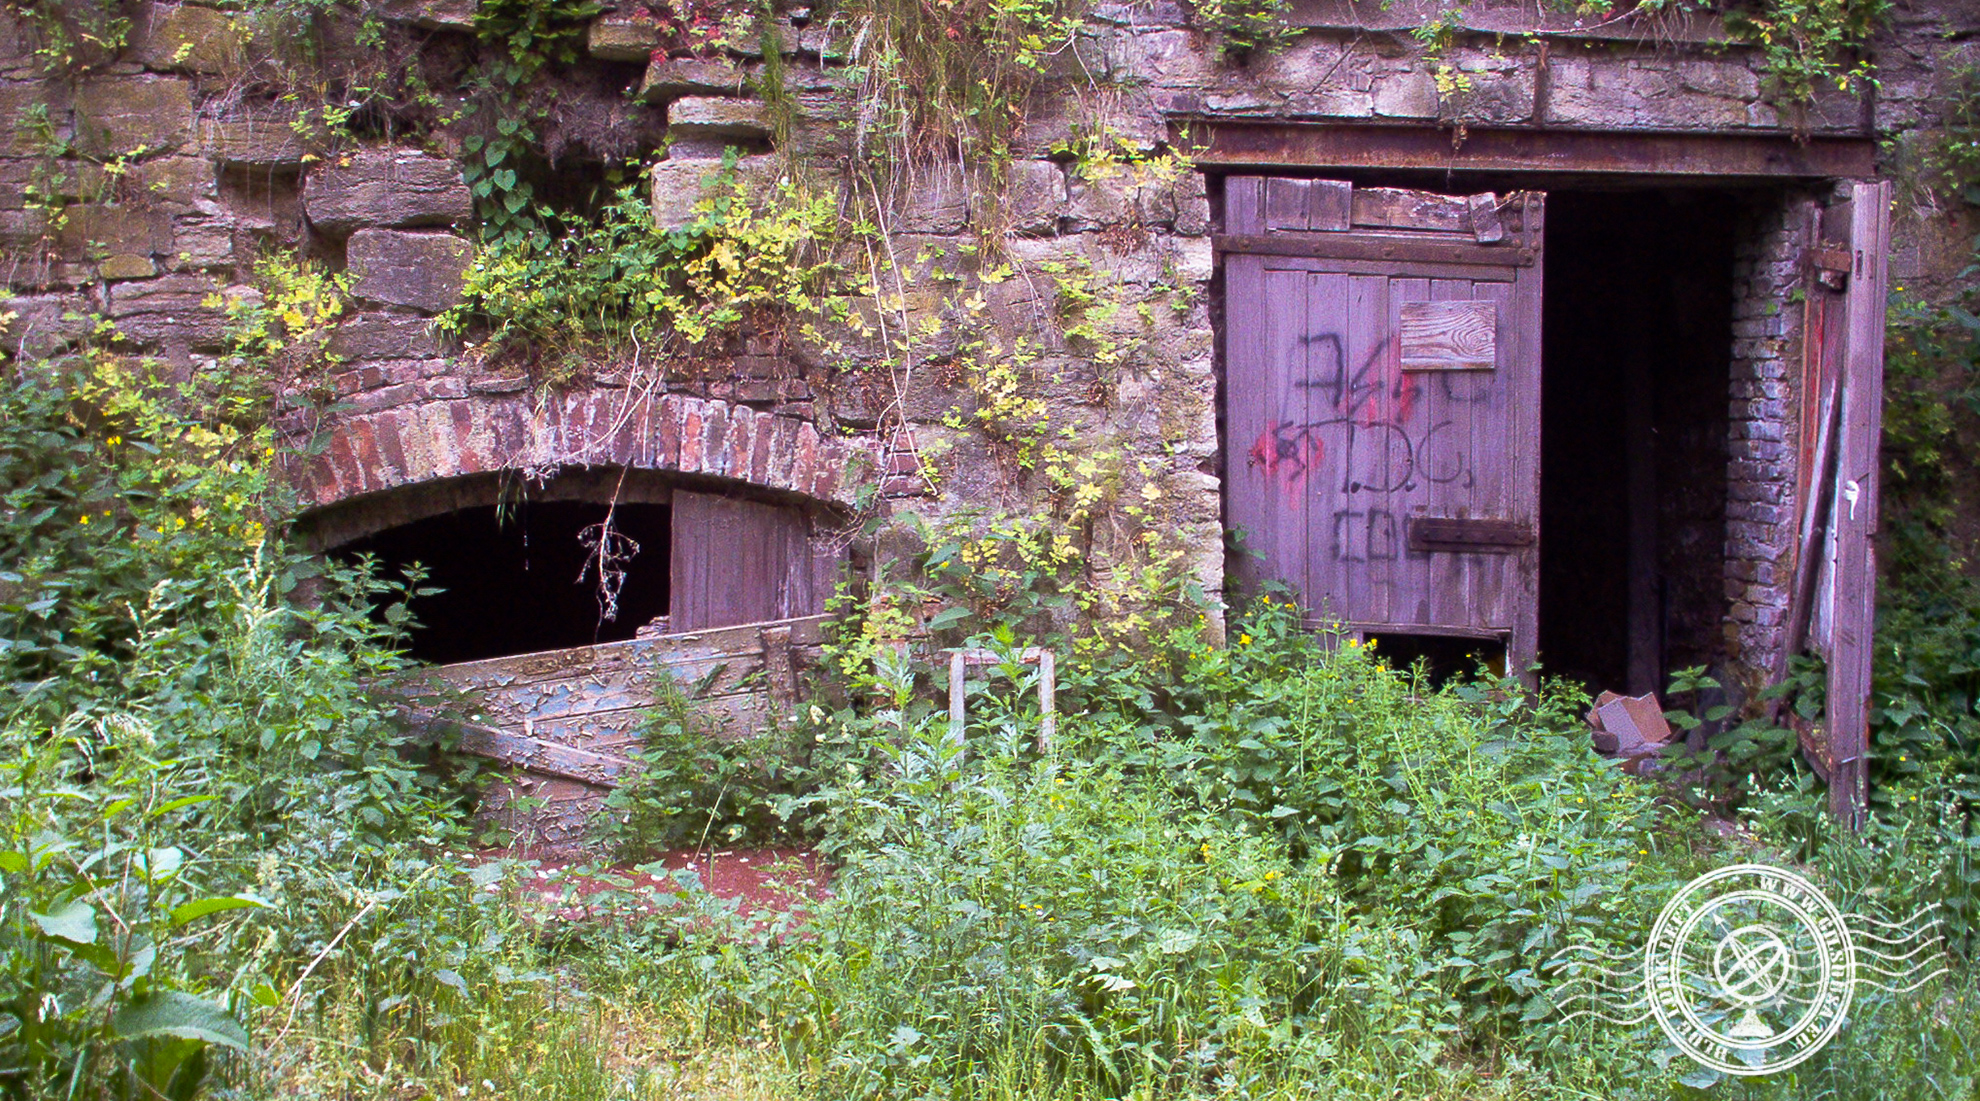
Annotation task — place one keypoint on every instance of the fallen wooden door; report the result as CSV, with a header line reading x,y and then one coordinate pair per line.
x,y
565,720
739,561
1382,405
1834,603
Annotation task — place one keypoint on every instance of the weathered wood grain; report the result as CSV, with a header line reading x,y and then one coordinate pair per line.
x,y
1450,336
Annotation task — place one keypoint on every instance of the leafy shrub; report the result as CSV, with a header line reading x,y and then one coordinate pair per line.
x,y
1244,27
98,993
694,785
620,278
1313,870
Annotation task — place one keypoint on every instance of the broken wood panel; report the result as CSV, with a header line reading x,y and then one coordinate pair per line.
x,y
1306,204
1450,336
546,757
584,690
1398,208
734,562
685,648
1855,508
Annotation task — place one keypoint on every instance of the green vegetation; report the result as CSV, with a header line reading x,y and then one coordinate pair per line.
x,y
1278,867
619,281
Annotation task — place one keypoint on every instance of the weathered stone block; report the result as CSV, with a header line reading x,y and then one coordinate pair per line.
x,y
386,187
1033,204
17,44
933,199
179,185
37,115
170,310
44,324
123,115
202,243
384,336
22,229
624,38
127,266
93,230
672,78
1409,92
432,15
718,116
422,270
678,184
187,38
261,141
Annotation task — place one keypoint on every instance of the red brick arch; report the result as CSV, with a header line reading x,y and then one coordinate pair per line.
x,y
480,434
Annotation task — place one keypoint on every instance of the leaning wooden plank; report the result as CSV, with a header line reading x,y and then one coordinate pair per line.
x,y
1857,462
730,718
549,758
662,650
585,691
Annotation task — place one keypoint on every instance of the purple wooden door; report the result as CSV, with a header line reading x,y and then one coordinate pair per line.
x,y
1382,412
737,561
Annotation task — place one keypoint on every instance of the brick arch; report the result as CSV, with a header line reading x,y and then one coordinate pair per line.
x,y
432,441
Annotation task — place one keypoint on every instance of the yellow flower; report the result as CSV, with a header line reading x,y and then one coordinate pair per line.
x,y
85,518
1244,640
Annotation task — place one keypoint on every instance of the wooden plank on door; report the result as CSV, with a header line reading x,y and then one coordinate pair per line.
x,y
1854,510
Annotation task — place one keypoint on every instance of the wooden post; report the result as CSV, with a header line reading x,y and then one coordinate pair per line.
x,y
956,667
1048,696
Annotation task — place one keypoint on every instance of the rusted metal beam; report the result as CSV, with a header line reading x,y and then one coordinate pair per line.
x,y
1224,144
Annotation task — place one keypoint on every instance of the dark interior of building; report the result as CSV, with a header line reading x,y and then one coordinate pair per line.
x,y
510,580
1637,352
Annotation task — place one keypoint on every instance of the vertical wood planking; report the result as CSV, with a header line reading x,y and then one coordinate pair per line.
x,y
1420,577
1247,403
1505,575
1325,311
1284,324
734,561
1855,515
1521,328
1316,348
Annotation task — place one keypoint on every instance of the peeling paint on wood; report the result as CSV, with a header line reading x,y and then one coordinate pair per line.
x,y
565,719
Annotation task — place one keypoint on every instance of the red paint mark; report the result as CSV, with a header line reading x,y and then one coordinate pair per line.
x,y
1287,453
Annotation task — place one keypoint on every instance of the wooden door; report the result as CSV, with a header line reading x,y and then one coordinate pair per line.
x,y
1382,413
738,561
1834,603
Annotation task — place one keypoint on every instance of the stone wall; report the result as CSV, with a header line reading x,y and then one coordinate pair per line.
x,y
140,192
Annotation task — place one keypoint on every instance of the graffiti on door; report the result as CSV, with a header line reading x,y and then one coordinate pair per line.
x,y
1369,422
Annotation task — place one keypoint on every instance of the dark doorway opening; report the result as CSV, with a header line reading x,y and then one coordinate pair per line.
x,y
510,580
1443,657
1637,348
